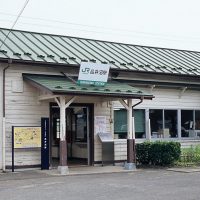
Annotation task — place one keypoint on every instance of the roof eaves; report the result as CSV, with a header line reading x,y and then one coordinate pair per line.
x,y
133,96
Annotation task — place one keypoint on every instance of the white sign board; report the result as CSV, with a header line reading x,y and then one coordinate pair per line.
x,y
93,73
100,124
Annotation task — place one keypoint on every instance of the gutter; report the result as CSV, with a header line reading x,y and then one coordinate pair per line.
x,y
4,120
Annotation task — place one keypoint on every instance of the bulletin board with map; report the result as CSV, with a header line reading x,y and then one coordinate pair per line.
x,y
26,137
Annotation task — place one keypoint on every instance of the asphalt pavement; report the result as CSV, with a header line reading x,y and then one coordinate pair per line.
x,y
143,184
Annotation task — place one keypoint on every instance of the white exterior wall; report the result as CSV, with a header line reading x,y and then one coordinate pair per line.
x,y
1,115
22,109
120,146
164,99
102,109
169,99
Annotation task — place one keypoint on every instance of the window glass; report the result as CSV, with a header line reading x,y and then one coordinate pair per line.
x,y
187,123
81,123
120,123
197,120
170,126
139,123
156,120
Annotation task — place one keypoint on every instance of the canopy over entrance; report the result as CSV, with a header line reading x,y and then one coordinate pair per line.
x,y
61,85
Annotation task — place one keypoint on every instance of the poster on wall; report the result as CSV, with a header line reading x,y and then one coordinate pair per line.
x,y
100,124
27,137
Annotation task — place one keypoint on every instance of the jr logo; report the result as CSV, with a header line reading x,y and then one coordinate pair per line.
x,y
86,70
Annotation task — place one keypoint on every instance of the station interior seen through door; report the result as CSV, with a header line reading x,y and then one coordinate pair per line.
x,y
78,131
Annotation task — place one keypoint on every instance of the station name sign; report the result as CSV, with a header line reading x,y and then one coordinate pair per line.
x,y
93,74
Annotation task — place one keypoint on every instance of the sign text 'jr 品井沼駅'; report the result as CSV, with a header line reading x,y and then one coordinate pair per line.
x,y
93,74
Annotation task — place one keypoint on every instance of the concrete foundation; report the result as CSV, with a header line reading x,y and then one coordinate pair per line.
x,y
63,170
129,166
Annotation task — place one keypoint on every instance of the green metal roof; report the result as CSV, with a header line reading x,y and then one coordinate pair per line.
x,y
63,85
56,49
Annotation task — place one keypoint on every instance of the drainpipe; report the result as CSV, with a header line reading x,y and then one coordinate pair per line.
x,y
4,120
133,132
141,100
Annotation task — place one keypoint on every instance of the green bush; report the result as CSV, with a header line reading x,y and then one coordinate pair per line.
x,y
143,153
158,153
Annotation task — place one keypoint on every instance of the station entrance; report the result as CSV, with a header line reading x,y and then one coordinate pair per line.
x,y
78,134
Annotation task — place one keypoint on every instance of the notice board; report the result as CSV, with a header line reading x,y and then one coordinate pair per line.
x,y
27,137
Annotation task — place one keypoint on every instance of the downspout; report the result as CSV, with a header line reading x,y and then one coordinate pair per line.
x,y
4,120
134,148
141,100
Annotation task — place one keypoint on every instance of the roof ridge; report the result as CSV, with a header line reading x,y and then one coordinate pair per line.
x,y
96,40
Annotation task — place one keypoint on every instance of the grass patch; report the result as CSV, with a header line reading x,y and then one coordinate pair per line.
x,y
189,157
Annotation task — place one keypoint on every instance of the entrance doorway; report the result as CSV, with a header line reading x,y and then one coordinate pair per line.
x,y
79,129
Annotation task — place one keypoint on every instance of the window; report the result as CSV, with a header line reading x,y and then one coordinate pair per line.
x,y
170,124
190,123
80,123
163,123
156,120
120,123
139,123
57,128
197,119
187,123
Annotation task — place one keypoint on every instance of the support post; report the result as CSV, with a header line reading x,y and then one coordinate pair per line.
x,y
63,168
61,101
130,164
148,125
4,145
179,124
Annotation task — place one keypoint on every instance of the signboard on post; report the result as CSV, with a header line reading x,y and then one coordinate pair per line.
x,y
93,74
27,137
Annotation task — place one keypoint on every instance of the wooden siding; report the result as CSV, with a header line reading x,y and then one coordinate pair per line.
x,y
102,109
120,146
1,114
24,109
169,99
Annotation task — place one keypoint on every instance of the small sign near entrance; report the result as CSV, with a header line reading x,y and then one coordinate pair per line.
x,y
93,74
45,143
100,124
